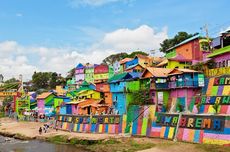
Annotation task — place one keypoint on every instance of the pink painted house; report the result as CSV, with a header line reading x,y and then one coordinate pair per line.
x,y
44,101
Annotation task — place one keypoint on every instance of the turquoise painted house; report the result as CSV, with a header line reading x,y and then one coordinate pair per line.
x,y
118,88
65,108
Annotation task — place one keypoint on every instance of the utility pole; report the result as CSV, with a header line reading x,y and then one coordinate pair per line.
x,y
205,28
20,78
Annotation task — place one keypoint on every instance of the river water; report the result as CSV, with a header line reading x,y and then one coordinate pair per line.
x,y
14,145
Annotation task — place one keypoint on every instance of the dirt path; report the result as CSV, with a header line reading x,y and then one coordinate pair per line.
x,y
30,129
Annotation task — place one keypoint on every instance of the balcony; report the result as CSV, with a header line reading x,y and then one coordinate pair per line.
x,y
161,86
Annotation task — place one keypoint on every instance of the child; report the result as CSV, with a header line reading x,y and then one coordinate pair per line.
x,y
40,130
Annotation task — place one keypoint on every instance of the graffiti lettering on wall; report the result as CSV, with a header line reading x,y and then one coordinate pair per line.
x,y
203,122
167,119
192,122
92,120
217,71
222,81
210,100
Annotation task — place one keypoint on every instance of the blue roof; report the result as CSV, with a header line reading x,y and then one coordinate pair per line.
x,y
135,75
61,97
80,66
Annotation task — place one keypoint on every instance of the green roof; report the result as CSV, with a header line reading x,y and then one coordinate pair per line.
x,y
223,50
84,83
83,88
117,77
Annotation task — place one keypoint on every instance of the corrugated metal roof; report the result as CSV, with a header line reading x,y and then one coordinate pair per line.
x,y
125,60
44,95
180,71
159,72
162,63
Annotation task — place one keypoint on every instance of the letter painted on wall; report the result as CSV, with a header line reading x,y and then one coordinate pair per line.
x,y
105,119
224,80
211,100
192,121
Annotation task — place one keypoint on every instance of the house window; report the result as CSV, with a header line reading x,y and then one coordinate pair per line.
x,y
223,63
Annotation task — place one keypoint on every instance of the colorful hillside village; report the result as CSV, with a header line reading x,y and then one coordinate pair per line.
x,y
184,95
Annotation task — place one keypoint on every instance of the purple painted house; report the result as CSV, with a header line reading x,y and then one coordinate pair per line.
x,y
79,74
45,102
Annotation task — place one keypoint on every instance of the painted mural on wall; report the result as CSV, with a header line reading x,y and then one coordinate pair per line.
x,y
113,124
217,71
212,129
215,97
22,103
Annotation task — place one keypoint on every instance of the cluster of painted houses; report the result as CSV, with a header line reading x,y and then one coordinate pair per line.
x,y
168,82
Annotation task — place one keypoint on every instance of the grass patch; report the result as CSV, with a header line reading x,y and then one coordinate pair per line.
x,y
2,114
213,148
59,139
21,137
75,141
115,145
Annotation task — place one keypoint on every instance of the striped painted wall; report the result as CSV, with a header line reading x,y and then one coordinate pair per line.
x,y
144,121
68,122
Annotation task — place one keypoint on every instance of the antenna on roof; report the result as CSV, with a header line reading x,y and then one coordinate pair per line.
x,y
205,28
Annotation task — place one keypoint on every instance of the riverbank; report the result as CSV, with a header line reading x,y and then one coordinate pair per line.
x,y
100,142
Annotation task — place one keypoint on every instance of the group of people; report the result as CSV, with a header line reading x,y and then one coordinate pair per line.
x,y
44,129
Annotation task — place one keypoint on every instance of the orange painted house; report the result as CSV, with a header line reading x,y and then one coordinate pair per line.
x,y
192,49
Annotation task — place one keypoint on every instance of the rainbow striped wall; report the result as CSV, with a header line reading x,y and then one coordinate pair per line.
x,y
215,88
144,121
165,128
141,121
112,124
163,131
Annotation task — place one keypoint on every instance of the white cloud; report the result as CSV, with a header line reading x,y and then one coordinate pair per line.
x,y
20,59
95,3
144,38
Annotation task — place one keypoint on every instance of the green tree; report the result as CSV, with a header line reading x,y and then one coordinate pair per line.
x,y
55,80
114,57
110,60
6,102
11,80
71,73
133,54
41,80
179,37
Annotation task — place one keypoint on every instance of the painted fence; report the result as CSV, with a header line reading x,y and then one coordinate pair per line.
x,y
144,121
112,124
215,92
211,129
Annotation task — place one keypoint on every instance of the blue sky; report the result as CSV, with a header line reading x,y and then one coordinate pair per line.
x,y
54,35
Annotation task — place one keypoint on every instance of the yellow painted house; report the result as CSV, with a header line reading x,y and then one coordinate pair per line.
x,y
89,94
174,63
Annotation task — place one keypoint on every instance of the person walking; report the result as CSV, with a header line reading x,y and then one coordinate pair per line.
x,y
40,130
